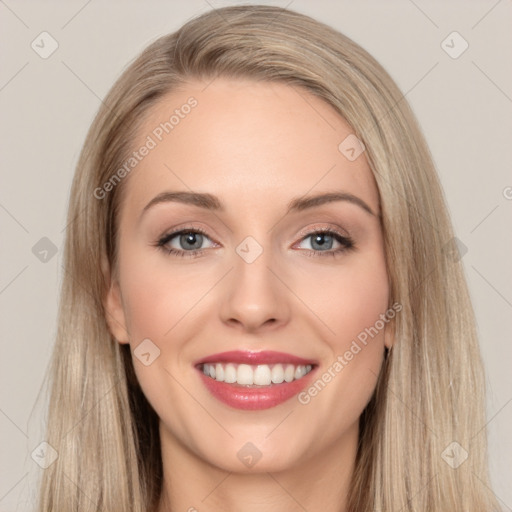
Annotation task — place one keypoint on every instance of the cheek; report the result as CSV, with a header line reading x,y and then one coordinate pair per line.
x,y
156,296
346,298
159,304
351,304
364,297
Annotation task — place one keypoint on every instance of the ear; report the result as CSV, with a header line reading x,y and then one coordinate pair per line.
x,y
113,306
115,315
388,336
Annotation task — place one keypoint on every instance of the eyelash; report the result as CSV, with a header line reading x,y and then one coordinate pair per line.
x,y
347,244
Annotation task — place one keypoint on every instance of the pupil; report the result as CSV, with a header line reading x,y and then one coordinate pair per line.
x,y
190,238
318,240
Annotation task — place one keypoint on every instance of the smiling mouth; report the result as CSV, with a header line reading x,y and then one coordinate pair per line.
x,y
255,376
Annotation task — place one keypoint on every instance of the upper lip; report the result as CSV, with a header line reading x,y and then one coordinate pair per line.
x,y
249,357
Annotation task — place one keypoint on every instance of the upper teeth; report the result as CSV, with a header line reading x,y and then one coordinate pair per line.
x,y
261,374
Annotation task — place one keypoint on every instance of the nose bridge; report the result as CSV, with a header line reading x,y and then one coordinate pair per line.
x,y
254,295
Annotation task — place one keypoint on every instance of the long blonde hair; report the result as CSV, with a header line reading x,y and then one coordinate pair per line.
x,y
430,392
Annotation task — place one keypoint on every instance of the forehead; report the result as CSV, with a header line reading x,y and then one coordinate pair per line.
x,y
256,143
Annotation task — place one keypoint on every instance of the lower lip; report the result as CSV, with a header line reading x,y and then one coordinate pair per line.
x,y
253,399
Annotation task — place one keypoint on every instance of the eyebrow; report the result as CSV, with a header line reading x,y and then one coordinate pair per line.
x,y
211,202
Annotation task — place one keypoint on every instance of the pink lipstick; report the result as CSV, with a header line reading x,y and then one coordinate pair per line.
x,y
255,380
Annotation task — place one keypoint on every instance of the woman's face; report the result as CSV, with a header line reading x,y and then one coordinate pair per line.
x,y
255,273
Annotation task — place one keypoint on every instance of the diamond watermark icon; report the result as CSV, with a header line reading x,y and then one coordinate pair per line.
x,y
249,249
44,45
454,250
249,454
44,455
454,455
351,147
146,352
454,45
44,249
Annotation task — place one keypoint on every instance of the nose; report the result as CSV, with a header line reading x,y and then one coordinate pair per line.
x,y
254,297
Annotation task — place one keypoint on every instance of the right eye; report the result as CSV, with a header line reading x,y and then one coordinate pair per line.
x,y
187,238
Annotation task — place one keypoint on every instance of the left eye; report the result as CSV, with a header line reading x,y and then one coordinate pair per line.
x,y
323,240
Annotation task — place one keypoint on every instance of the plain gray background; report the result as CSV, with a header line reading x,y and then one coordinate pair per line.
x,y
463,104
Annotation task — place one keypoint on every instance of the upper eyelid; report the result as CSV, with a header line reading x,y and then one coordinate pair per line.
x,y
167,237
317,228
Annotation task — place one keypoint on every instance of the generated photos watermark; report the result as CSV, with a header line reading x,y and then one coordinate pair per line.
x,y
344,359
152,140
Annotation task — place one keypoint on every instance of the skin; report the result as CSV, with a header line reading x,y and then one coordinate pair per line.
x,y
255,146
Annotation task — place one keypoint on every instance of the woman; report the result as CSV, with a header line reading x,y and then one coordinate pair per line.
x,y
314,348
